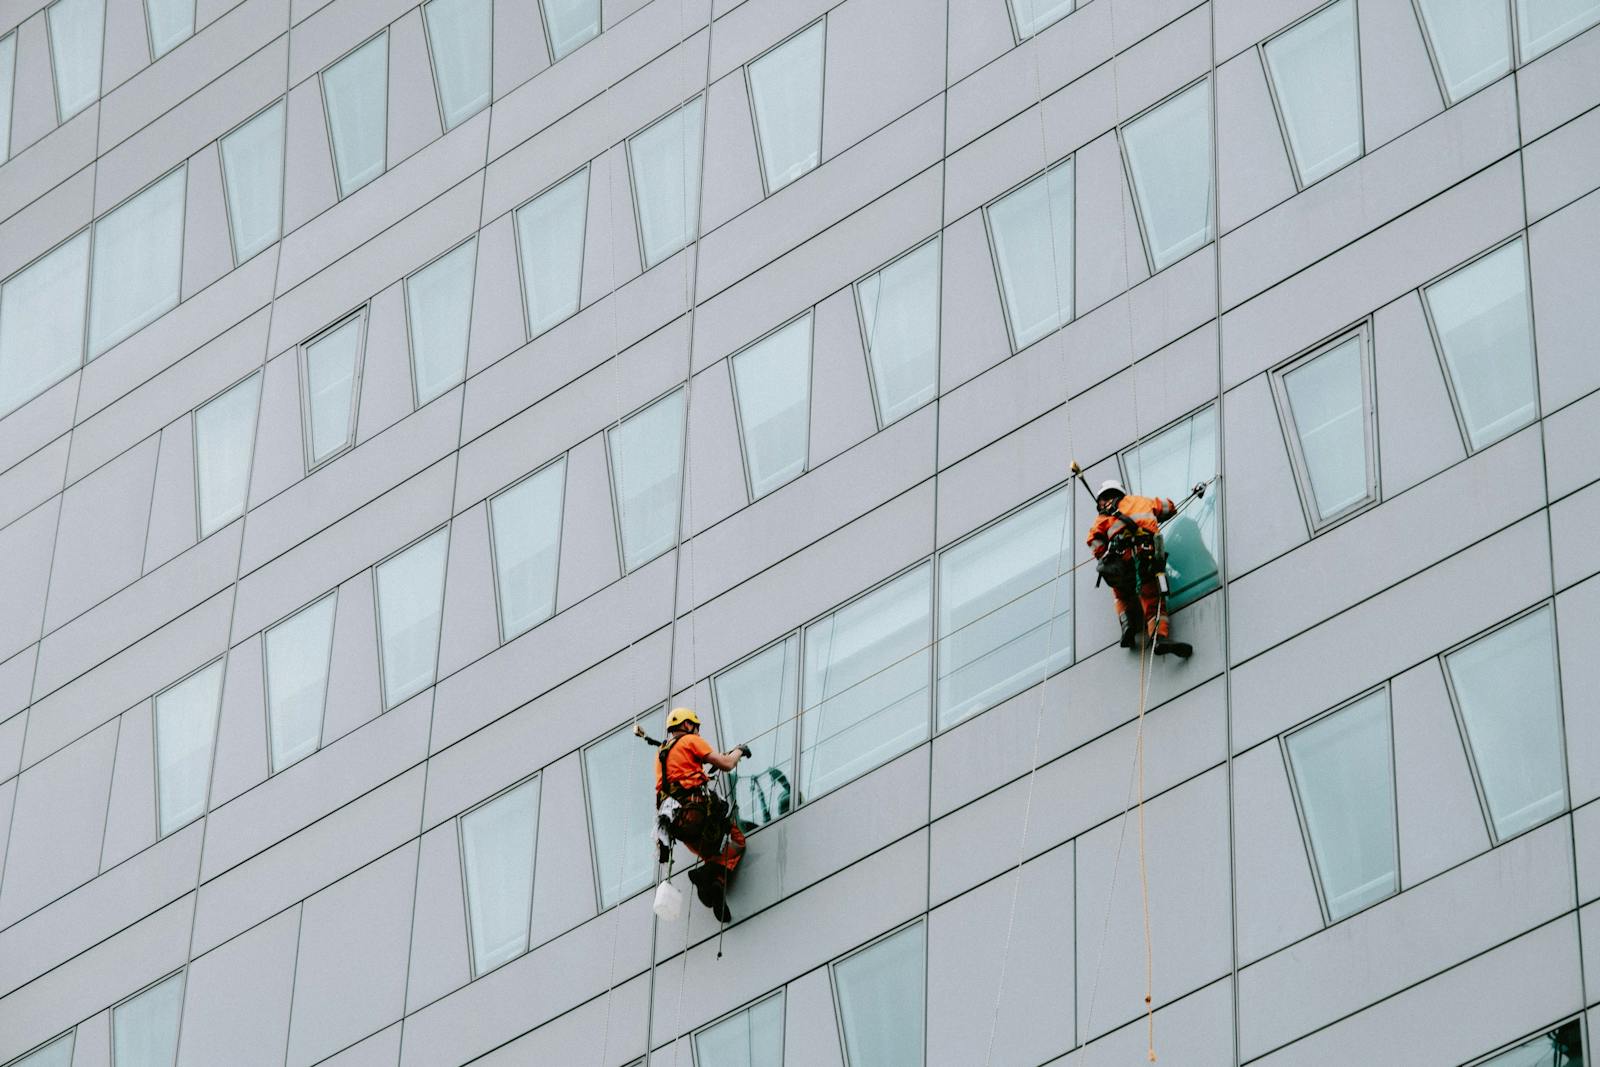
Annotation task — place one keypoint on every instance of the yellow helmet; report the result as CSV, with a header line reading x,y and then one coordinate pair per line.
x,y
679,716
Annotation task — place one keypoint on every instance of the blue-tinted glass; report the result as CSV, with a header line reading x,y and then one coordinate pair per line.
x,y
138,263
1316,76
550,230
1031,229
144,1030
439,312
1471,41
459,34
526,522
1169,465
1169,156
1543,24
171,23
772,381
570,23
1328,410
57,1053
1562,1047
186,726
76,37
899,309
1034,15
410,602
497,844
8,70
756,705
357,93
752,1038
298,651
786,97
252,170
646,477
331,363
882,1001
41,322
224,440
619,772
666,181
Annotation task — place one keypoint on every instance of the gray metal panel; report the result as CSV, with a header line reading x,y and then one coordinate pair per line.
x,y
413,109
498,323
1561,166
841,393
1561,252
207,248
387,395
46,222
172,528
236,998
1264,521
589,554
1422,437
1440,817
1578,627
1559,85
1398,88
732,169
100,543
1572,551
26,545
438,949
1253,171
33,107
1276,897
563,877
241,760
884,58
127,48
469,626
308,181
131,807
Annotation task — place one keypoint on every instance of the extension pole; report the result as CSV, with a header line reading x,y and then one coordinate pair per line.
x,y
1077,472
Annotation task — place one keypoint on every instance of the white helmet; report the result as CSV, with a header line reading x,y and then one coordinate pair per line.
x,y
1112,486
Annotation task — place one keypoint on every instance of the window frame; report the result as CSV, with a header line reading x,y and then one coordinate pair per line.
x,y
549,41
1509,8
89,354
445,126
283,175
751,496
211,765
1443,361
1018,37
1384,687
461,859
690,238
1070,159
1132,187
250,458
1277,101
781,992
87,233
339,195
833,983
182,974
417,403
1362,333
70,1035
494,551
266,682
1219,550
583,251
755,123
588,809
8,93
149,32
938,327
55,78
1495,839
302,353
377,613
613,471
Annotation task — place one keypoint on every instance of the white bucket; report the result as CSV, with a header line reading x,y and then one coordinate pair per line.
x,y
669,902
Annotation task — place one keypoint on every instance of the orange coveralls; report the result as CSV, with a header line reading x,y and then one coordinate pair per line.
x,y
1147,513
684,757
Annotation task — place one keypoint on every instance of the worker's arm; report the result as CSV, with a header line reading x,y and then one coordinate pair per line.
x,y
1097,537
727,761
1165,509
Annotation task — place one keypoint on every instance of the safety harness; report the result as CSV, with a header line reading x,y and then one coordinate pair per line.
x,y
1131,552
692,814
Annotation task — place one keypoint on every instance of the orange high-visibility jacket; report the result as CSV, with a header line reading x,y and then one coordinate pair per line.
x,y
1145,512
684,760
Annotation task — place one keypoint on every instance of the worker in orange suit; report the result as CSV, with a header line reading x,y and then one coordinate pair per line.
x,y
690,812
1125,538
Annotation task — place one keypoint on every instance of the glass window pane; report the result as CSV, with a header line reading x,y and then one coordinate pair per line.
x,y
772,382
526,524
619,770
138,263
331,364
41,322
1317,79
752,1038
1328,410
224,438
881,1001
439,312
570,23
297,655
1562,1047
144,1030
410,596
1034,15
1031,233
1481,315
1543,24
459,41
899,308
1005,608
646,471
756,705
1505,684
1471,42
666,181
357,93
171,23
1169,156
1169,465
865,685
252,170
76,36
497,841
550,232
1342,771
786,98
186,724
57,1053
8,70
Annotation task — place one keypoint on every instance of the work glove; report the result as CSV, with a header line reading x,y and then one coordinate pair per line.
x,y
1200,489
745,748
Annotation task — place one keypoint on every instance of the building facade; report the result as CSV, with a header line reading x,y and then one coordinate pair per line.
x,y
400,403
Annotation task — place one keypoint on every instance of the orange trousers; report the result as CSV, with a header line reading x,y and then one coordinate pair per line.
x,y
1152,609
726,860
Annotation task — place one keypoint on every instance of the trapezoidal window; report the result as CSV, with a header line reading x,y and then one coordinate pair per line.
x,y
41,322
646,451
756,702
1343,772
144,1028
550,235
1028,17
772,390
56,1052
224,441
186,727
1326,402
1316,83
1169,464
498,838
569,24
1561,1047
330,379
170,22
439,319
1482,323
899,311
882,999
786,100
617,772
76,29
252,175
355,91
1507,695
1168,150
1470,41
750,1037
8,75
525,528
138,262
1030,232
410,593
297,653
664,159
459,41
1543,24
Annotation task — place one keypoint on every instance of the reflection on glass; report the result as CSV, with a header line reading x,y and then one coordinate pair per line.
x,y
1169,465
570,23
1343,772
1561,1047
8,70
1169,157
882,998
41,322
138,263
171,23
252,170
865,684
459,34
1317,80
772,384
186,725
356,90
410,598
786,97
224,438
1031,16
899,309
1543,24
1481,315
1471,42
1328,410
550,243
646,474
756,704
331,362
526,523
665,159
76,35
1031,230
751,1038
1506,687
497,854
298,651
144,1030
619,771
1005,608
439,311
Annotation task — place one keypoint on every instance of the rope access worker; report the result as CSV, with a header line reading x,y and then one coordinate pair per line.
x,y
690,812
1126,538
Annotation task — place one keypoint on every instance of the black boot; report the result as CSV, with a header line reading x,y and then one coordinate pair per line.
x,y
1130,636
1165,646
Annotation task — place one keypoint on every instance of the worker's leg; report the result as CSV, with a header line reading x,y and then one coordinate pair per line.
x,y
1152,603
1131,622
